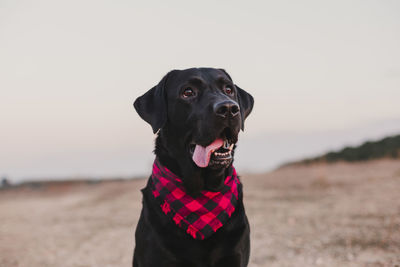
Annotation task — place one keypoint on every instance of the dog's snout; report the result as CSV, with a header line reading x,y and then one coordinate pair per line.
x,y
226,109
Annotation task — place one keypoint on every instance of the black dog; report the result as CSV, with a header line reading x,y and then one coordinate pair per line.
x,y
198,114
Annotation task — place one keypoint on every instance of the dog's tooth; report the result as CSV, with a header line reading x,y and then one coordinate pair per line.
x,y
231,147
226,144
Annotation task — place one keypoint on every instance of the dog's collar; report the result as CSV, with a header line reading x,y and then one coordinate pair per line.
x,y
200,216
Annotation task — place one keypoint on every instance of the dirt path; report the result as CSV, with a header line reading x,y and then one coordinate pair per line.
x,y
325,215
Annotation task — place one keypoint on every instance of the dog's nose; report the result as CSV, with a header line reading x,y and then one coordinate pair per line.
x,y
226,108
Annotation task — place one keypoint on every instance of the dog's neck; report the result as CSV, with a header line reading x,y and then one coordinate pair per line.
x,y
176,160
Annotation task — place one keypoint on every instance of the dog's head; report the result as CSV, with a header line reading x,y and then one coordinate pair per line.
x,y
199,113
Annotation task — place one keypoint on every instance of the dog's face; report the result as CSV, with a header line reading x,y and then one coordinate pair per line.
x,y
200,112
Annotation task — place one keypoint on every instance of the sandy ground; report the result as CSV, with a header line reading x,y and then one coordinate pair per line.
x,y
321,215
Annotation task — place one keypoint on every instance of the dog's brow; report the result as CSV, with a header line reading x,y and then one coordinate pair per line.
x,y
197,81
223,80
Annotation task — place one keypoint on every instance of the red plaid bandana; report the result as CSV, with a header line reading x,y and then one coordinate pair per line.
x,y
201,216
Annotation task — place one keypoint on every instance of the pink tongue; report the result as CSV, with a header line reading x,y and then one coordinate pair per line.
x,y
201,155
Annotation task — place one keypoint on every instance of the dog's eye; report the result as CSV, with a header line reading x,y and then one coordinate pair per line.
x,y
228,90
188,92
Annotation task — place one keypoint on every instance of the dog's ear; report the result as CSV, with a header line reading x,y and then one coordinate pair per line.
x,y
246,101
152,106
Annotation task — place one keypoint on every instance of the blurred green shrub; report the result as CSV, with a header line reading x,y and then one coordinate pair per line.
x,y
388,147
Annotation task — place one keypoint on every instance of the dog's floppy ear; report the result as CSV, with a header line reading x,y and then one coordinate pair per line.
x,y
246,101
152,106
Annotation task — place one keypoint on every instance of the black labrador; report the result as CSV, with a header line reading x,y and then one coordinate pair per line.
x,y
191,109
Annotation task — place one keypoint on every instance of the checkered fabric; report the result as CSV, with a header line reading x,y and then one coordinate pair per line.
x,y
201,216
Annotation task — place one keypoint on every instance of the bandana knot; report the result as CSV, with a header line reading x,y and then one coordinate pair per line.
x,y
199,216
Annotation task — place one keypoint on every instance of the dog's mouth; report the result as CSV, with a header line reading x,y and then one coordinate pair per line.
x,y
218,154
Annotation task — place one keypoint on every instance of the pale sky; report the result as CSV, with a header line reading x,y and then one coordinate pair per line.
x,y
323,74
